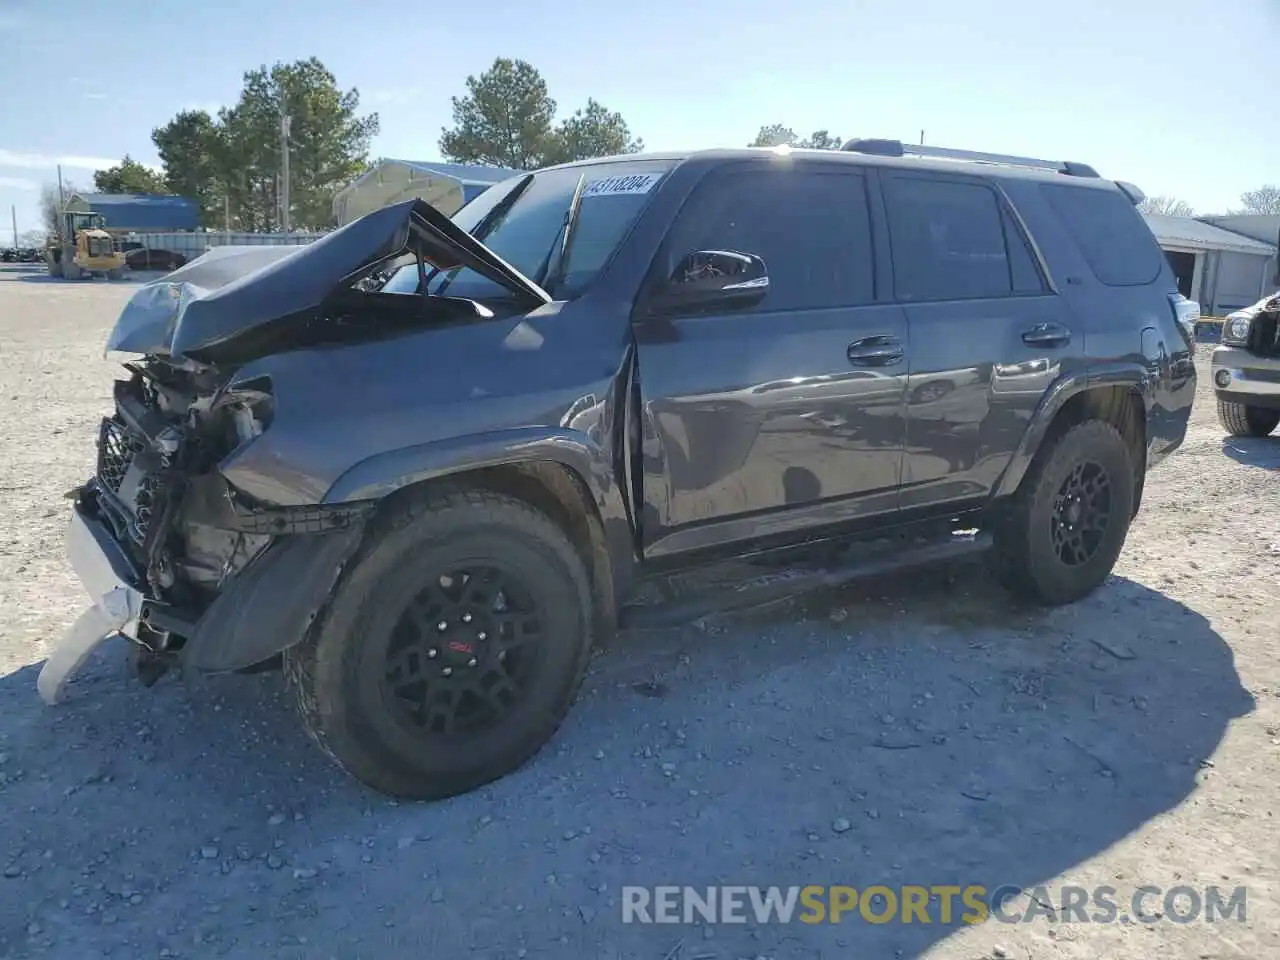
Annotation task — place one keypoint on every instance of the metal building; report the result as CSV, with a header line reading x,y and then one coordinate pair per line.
x,y
1217,263
138,212
1259,226
446,186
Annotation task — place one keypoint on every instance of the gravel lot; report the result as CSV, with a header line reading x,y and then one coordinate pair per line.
x,y
917,730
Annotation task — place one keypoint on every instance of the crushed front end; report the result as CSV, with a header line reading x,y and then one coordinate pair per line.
x,y
191,569
174,558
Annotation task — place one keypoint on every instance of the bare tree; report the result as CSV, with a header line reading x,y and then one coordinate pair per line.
x,y
1265,199
1168,206
51,205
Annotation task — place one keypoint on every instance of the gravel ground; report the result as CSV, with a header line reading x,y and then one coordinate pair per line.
x,y
917,730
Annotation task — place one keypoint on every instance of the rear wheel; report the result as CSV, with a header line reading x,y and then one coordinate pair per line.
x,y
1065,527
70,270
1241,420
452,651
116,273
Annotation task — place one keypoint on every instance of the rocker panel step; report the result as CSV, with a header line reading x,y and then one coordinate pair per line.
x,y
777,585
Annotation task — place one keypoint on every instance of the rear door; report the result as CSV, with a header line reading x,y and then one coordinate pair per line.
x,y
788,414
988,335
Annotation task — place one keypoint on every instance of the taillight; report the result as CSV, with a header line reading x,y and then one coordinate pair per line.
x,y
1186,313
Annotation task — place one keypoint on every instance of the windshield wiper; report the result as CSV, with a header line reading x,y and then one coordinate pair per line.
x,y
422,275
552,270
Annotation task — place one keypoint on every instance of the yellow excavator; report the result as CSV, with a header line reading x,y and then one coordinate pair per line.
x,y
82,248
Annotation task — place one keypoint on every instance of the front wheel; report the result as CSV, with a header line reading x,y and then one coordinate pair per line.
x,y
452,651
1064,528
1241,420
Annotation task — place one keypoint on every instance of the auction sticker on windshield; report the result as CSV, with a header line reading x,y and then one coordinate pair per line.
x,y
619,186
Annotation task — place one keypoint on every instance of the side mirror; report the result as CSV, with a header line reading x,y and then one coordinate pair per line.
x,y
708,279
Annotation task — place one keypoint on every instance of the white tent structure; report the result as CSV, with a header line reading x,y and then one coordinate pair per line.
x,y
446,186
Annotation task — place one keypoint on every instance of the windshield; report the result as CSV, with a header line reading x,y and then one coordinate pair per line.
x,y
523,236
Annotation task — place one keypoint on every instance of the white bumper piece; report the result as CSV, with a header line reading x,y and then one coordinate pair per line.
x,y
106,574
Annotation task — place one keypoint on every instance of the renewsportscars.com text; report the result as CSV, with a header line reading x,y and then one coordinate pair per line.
x,y
938,903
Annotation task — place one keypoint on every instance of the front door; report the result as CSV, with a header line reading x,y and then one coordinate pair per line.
x,y
786,414
988,335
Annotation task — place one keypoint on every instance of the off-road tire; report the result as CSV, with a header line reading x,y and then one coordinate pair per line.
x,y
339,695
115,274
1023,558
1241,420
71,271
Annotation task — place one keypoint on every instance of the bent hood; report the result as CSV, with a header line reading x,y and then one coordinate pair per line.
x,y
199,310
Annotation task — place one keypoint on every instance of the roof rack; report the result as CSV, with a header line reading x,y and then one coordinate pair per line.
x,y
896,148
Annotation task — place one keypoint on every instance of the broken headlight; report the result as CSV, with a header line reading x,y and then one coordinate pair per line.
x,y
246,409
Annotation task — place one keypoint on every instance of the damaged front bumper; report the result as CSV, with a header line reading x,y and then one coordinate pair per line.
x,y
114,587
265,608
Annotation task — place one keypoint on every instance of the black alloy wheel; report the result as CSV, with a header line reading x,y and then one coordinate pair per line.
x,y
462,653
1081,513
1058,537
452,648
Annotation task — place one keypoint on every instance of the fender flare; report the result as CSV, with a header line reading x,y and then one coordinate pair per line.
x,y
1118,374
271,605
587,462
384,473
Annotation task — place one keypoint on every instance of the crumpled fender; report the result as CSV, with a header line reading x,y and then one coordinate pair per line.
x,y
272,603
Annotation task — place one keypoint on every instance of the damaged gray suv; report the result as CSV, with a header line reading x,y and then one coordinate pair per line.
x,y
425,465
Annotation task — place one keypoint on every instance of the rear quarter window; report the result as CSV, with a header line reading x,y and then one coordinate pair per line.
x,y
1110,233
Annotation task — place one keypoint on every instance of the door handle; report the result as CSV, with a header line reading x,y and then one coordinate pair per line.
x,y
876,351
1047,335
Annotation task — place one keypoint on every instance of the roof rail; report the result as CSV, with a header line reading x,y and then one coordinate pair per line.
x,y
896,148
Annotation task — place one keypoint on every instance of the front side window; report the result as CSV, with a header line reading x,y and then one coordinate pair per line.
x,y
948,240
528,233
811,226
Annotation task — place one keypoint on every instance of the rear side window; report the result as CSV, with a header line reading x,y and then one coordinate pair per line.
x,y
1112,236
953,241
811,227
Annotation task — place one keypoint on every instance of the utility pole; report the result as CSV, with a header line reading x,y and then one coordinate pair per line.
x,y
922,138
62,206
13,212
285,121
